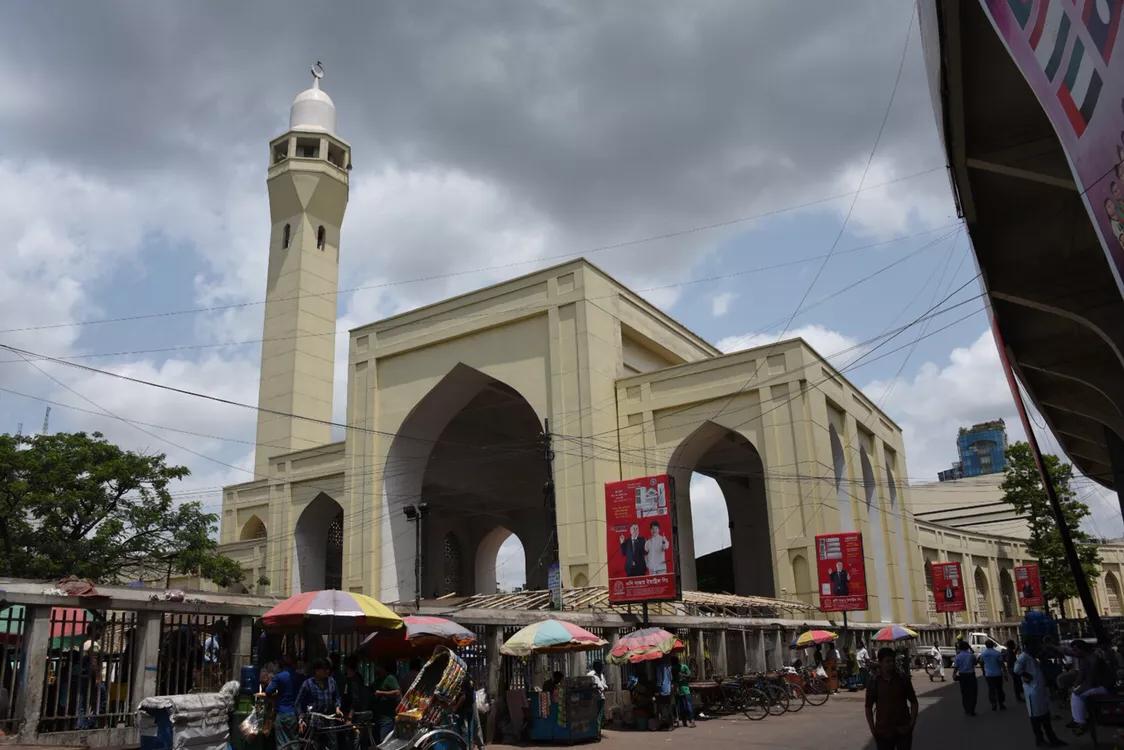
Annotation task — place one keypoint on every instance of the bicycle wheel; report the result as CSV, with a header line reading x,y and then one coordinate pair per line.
x,y
778,700
756,706
446,738
796,697
816,692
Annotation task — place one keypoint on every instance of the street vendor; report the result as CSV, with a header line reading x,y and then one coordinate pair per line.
x,y
553,683
385,693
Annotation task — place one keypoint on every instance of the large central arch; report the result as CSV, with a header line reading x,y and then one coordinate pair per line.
x,y
734,463
471,450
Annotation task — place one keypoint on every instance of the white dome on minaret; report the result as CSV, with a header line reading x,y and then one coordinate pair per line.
x,y
313,109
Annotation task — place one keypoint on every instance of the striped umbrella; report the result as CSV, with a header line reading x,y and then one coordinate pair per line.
x,y
550,636
420,636
331,611
894,633
812,637
646,644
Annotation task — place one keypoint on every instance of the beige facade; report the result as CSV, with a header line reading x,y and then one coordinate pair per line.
x,y
454,404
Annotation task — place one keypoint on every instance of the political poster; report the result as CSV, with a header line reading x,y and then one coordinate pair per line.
x,y
842,572
948,587
1028,585
641,539
554,585
1064,51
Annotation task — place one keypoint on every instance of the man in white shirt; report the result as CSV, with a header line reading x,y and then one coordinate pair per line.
x,y
596,671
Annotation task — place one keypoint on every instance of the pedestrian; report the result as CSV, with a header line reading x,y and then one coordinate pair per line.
x,y
283,689
385,693
597,674
683,703
831,666
993,669
1028,671
1095,676
964,672
937,660
891,704
319,695
91,676
1010,658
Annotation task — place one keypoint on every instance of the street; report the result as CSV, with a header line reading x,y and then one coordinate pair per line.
x,y
840,723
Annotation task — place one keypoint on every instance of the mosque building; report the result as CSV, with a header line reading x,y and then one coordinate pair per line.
x,y
465,409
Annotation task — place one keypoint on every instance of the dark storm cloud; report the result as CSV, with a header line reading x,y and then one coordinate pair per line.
x,y
611,119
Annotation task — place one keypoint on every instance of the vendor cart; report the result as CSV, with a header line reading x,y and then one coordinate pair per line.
x,y
571,713
197,721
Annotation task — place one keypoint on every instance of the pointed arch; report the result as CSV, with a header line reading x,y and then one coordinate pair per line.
x,y
802,579
318,536
1008,603
843,497
877,538
1112,590
734,463
471,449
252,529
983,596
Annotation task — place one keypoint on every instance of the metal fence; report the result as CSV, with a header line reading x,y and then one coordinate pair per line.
x,y
12,622
475,655
514,670
194,654
89,670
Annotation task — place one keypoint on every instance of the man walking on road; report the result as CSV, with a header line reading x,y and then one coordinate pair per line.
x,y
891,705
1028,671
992,660
964,672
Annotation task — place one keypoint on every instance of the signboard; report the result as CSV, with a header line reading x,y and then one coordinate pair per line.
x,y
641,539
1064,49
554,584
1028,586
948,587
842,572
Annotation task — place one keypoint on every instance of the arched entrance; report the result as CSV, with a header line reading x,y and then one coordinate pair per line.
x,y
1112,587
471,450
253,529
732,461
500,562
319,546
1009,604
983,597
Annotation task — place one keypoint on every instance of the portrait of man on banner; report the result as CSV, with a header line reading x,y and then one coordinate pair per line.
x,y
641,540
842,572
948,587
1028,585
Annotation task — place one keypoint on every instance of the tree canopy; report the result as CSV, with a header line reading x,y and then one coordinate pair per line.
x,y
76,504
1022,488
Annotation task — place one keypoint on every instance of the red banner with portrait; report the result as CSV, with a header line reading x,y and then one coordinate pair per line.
x,y
1028,585
842,572
948,587
641,538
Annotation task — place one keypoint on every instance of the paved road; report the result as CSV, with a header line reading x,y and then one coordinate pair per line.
x,y
840,724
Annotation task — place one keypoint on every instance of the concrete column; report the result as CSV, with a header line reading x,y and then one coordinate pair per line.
x,y
241,644
778,650
147,653
613,674
493,639
745,652
721,662
36,640
700,644
759,651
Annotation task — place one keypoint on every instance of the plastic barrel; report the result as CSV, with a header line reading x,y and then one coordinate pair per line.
x,y
249,679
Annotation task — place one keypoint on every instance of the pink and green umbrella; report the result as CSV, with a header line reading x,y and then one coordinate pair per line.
x,y
550,636
331,611
646,644
894,633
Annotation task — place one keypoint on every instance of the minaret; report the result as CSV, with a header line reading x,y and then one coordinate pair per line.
x,y
307,182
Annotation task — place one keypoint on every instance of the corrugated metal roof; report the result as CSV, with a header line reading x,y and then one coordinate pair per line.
x,y
595,598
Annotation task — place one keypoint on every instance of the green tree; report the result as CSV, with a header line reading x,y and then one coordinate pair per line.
x,y
1022,488
72,503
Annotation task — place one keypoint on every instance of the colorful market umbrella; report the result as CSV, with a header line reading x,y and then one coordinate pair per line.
x,y
894,633
812,637
646,644
331,611
420,636
550,636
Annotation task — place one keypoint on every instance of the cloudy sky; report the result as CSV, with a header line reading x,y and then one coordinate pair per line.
x,y
684,147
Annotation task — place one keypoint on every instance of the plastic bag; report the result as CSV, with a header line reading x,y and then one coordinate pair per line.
x,y
252,725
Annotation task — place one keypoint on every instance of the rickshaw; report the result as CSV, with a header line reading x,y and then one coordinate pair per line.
x,y
439,710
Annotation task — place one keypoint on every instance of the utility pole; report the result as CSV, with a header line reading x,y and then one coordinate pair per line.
x,y
415,514
550,501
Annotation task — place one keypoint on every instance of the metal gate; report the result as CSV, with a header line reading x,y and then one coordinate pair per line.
x,y
194,654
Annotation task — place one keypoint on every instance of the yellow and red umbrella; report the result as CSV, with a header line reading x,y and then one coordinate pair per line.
x,y
331,611
894,633
813,637
646,644
550,636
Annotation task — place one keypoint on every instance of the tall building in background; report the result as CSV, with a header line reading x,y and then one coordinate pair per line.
x,y
983,450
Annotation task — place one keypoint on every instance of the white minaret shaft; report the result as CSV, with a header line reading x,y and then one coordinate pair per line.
x,y
308,185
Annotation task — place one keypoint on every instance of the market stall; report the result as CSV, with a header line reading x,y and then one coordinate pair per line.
x,y
651,707
570,710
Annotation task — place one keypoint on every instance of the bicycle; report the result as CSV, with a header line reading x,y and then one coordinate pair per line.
x,y
778,697
815,688
934,668
316,727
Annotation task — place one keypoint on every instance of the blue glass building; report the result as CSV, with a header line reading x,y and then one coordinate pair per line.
x,y
982,448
